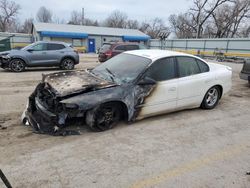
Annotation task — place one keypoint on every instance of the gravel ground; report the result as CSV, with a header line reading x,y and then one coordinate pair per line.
x,y
191,148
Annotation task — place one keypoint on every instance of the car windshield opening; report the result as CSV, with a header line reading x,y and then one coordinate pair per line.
x,y
123,68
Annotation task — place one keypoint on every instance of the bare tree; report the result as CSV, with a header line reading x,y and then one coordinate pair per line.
x,y
76,18
182,25
27,25
91,22
44,15
116,19
132,24
202,11
227,19
8,12
154,28
212,18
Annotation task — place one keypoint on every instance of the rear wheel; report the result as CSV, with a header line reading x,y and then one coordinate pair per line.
x,y
104,117
17,65
211,98
67,64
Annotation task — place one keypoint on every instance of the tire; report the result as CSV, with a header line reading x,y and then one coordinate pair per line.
x,y
17,65
104,117
211,98
67,64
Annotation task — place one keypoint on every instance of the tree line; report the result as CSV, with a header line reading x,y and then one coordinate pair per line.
x,y
205,19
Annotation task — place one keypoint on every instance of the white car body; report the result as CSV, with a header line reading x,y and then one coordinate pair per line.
x,y
182,93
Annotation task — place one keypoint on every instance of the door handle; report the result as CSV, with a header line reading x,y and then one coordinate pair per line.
x,y
172,89
43,52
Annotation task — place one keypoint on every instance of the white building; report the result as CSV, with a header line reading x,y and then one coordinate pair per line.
x,y
87,37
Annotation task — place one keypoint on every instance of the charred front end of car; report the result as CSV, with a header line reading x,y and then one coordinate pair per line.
x,y
4,61
46,114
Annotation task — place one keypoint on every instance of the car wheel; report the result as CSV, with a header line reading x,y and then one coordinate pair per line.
x,y
17,65
211,98
67,64
104,117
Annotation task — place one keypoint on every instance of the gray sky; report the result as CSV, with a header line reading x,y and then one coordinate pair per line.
x,y
100,9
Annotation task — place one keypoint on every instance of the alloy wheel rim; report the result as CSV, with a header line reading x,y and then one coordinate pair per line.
x,y
17,66
212,97
68,64
107,117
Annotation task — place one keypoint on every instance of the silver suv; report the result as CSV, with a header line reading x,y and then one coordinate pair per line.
x,y
40,54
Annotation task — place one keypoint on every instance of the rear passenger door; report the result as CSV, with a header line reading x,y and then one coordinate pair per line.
x,y
192,82
55,53
164,96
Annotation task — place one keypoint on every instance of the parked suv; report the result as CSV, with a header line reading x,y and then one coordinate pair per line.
x,y
245,72
40,54
109,50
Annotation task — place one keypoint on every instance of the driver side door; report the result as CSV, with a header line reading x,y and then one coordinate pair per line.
x,y
163,98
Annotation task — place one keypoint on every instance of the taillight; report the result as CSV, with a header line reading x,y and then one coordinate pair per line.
x,y
108,53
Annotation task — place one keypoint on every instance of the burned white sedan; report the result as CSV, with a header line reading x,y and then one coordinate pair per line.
x,y
130,86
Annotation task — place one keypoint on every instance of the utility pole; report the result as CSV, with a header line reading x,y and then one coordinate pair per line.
x,y
82,16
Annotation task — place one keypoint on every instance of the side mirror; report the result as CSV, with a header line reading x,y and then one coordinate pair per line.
x,y
147,81
30,50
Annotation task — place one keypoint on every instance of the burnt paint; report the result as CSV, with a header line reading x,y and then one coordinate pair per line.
x,y
87,92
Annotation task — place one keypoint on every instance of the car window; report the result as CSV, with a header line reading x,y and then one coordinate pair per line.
x,y
187,66
105,47
131,47
163,69
39,47
55,46
203,66
121,48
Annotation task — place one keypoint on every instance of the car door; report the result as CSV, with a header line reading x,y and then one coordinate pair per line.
x,y
192,82
55,53
163,98
37,54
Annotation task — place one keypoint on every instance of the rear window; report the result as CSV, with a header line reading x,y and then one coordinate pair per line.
x,y
55,46
132,47
203,66
121,48
105,47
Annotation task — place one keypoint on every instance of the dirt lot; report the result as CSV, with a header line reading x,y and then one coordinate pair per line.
x,y
191,148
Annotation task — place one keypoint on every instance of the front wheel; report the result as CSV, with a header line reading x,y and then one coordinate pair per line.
x,y
67,64
104,117
211,98
17,65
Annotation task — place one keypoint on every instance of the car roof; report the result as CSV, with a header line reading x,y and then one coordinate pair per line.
x,y
157,54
